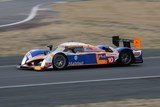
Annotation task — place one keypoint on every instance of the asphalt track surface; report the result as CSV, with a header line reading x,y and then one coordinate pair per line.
x,y
16,10
27,88
12,11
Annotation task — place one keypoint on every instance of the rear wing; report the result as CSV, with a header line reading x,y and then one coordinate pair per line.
x,y
127,42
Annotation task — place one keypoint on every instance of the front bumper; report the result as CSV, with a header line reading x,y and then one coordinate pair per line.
x,y
26,67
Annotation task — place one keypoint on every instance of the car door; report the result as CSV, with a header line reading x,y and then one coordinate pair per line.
x,y
76,56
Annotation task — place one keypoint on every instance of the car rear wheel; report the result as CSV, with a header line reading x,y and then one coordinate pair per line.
x,y
59,61
125,58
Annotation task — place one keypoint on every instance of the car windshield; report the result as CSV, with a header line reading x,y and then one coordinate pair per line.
x,y
91,49
59,49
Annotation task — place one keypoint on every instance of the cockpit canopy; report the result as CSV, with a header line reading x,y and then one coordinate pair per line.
x,y
77,47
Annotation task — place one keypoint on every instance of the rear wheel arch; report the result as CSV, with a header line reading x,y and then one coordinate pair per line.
x,y
128,52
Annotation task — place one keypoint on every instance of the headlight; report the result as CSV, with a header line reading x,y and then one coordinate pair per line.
x,y
24,60
43,63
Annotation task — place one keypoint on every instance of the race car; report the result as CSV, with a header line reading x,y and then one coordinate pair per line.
x,y
82,54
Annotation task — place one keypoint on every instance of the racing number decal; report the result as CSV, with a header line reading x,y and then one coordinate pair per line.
x,y
104,59
110,59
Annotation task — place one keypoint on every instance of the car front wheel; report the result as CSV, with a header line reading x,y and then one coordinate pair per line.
x,y
59,61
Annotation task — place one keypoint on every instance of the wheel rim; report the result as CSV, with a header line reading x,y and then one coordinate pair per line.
x,y
59,61
126,58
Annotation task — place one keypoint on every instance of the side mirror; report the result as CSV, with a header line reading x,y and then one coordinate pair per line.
x,y
115,40
50,47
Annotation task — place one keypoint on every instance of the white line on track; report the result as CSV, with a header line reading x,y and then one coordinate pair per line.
x,y
76,82
152,57
4,66
5,0
32,14
30,17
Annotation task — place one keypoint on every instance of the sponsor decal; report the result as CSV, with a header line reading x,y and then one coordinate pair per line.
x,y
47,64
76,63
137,54
29,55
75,57
102,57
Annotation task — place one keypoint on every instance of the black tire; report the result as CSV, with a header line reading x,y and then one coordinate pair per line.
x,y
60,61
125,58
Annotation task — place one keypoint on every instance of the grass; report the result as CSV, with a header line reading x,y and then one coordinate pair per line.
x,y
125,103
91,21
105,18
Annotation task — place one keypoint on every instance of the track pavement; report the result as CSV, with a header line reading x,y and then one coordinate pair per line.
x,y
21,88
